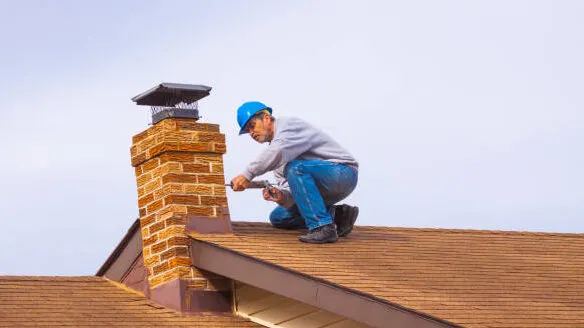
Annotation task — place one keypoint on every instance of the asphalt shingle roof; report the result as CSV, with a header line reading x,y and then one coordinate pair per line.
x,y
90,302
467,277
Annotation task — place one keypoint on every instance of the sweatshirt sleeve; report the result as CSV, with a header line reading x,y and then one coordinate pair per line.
x,y
292,140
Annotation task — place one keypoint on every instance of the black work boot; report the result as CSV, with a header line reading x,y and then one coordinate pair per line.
x,y
345,217
325,234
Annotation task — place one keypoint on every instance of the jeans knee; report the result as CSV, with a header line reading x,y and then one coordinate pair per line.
x,y
278,217
285,218
293,169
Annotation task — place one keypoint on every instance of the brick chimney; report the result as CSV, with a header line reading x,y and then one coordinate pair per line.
x,y
179,174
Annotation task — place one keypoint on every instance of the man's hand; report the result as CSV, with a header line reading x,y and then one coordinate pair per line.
x,y
239,183
276,195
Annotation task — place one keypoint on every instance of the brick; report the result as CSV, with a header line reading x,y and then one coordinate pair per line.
x,y
219,190
216,168
151,261
143,179
138,171
179,262
172,274
133,151
179,136
138,159
176,220
172,232
156,227
146,144
213,200
194,146
176,177
178,241
182,199
139,137
162,148
175,252
155,129
155,206
199,189
191,125
155,281
168,189
196,168
211,178
141,191
160,268
185,272
143,201
207,158
153,185
146,252
213,127
201,210
157,248
142,212
166,168
198,284
147,220
149,241
174,209
169,124
219,148
210,137
176,157
150,165
173,188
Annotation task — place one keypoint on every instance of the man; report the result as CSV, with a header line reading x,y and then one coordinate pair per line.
x,y
312,170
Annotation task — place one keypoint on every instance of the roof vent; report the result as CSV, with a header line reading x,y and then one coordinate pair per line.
x,y
173,100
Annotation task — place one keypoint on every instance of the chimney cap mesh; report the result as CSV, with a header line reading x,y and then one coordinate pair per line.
x,y
173,100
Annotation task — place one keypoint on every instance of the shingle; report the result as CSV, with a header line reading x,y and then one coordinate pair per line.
x,y
90,302
471,278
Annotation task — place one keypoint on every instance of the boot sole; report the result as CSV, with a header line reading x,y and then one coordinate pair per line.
x,y
310,241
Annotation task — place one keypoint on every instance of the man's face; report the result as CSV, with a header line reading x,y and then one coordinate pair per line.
x,y
259,129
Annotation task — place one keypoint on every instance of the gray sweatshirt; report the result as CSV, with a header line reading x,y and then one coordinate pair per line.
x,y
294,139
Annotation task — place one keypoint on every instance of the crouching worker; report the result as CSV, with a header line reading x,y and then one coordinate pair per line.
x,y
313,173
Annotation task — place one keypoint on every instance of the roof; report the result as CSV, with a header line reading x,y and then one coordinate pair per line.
x,y
470,278
90,301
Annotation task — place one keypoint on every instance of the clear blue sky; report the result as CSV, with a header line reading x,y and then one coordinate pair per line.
x,y
463,114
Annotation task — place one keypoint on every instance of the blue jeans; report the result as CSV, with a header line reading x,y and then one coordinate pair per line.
x,y
316,186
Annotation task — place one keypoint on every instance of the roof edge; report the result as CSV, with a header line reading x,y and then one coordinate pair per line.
x,y
320,293
119,248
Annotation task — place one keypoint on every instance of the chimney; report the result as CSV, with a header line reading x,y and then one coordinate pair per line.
x,y
181,188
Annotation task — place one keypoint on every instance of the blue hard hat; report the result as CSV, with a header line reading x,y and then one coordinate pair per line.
x,y
246,111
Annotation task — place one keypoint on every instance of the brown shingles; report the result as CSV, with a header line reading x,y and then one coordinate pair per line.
x,y
468,277
90,302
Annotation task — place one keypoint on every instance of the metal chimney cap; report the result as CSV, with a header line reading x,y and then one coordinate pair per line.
x,y
171,94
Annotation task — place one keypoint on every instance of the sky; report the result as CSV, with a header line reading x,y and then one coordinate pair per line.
x,y
462,114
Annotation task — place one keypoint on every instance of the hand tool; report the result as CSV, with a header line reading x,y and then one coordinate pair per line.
x,y
258,184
